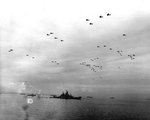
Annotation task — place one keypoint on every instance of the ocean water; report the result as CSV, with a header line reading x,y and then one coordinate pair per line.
x,y
15,107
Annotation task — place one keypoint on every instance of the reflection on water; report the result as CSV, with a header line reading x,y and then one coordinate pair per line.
x,y
15,107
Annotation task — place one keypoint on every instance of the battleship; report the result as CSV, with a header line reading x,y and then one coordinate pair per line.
x,y
66,95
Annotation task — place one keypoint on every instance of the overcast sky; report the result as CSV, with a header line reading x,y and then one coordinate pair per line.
x,y
23,28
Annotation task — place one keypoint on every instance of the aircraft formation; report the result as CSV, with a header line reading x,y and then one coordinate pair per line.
x,y
91,23
55,62
91,64
54,37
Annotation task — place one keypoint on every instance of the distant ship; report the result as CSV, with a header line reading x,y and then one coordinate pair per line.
x,y
66,95
89,97
28,94
32,94
112,97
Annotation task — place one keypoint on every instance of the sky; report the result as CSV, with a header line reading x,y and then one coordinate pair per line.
x,y
24,28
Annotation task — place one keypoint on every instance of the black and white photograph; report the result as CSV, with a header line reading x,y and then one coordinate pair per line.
x,y
74,60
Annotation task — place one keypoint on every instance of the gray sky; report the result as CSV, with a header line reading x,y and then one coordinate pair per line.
x,y
24,25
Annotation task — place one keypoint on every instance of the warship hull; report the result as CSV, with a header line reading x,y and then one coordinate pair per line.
x,y
76,98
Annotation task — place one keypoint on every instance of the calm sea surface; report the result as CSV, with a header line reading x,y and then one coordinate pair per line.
x,y
15,107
